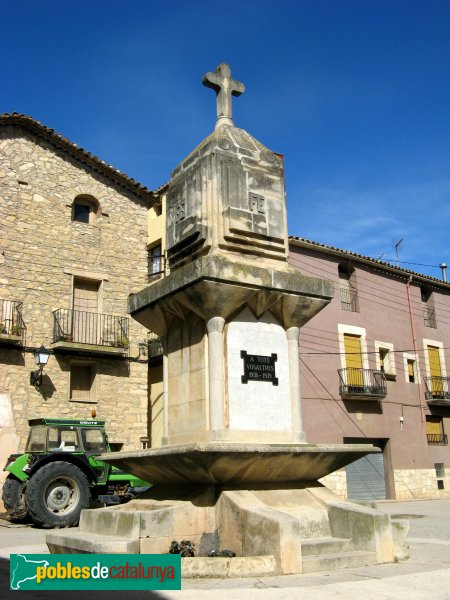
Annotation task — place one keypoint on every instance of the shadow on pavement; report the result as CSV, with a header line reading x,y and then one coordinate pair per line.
x,y
6,593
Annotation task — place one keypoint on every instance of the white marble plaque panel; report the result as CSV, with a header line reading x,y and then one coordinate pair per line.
x,y
257,405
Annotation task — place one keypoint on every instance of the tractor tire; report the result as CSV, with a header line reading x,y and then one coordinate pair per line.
x,y
56,494
12,496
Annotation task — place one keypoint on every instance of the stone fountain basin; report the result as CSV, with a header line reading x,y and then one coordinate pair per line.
x,y
221,462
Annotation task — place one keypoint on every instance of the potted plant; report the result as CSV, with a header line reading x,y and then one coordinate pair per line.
x,y
16,330
2,328
65,337
121,342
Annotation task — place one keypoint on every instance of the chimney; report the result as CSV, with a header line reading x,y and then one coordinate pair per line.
x,y
443,266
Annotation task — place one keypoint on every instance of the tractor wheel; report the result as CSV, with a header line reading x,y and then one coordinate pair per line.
x,y
56,494
12,497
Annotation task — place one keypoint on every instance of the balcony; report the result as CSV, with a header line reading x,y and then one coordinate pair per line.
x,y
12,326
362,384
349,299
151,349
437,390
437,439
429,317
76,330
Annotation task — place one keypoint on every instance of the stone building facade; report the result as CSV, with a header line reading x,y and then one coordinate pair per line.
x,y
73,247
374,368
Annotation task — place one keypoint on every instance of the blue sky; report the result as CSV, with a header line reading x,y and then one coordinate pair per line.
x,y
355,94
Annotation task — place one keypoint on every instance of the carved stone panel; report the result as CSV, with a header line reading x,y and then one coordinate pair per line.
x,y
184,215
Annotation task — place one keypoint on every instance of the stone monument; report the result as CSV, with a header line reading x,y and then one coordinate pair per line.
x,y
234,470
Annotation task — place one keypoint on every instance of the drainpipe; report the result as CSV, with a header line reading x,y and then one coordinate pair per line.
x,y
413,331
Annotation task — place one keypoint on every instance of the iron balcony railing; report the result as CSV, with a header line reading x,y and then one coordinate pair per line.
x,y
349,299
362,383
437,388
429,317
154,344
81,327
152,347
437,439
11,321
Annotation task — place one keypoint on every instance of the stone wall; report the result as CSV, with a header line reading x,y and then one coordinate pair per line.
x,y
42,251
337,482
420,483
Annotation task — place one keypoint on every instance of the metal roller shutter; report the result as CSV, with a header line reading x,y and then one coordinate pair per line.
x,y
365,478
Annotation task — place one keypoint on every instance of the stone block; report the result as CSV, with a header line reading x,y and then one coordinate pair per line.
x,y
368,529
74,541
400,529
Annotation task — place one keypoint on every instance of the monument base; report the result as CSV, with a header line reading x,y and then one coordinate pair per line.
x,y
291,528
289,524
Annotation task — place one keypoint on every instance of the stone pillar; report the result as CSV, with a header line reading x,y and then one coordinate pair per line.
x,y
294,378
165,435
214,328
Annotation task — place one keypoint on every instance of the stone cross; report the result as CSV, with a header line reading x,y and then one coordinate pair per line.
x,y
225,87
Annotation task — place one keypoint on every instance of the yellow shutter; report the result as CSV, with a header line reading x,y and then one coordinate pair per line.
x,y
435,361
353,356
411,370
353,359
435,369
434,426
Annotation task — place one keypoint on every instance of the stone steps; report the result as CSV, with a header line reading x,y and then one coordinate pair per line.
x,y
329,545
340,560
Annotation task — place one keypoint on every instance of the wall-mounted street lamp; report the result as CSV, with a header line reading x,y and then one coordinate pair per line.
x,y
41,357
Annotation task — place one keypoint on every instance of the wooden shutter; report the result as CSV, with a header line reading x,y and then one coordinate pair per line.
x,y
81,382
411,374
435,361
85,311
353,360
353,356
435,369
85,295
434,426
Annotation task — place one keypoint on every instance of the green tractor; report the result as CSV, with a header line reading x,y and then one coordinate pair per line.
x,y
60,473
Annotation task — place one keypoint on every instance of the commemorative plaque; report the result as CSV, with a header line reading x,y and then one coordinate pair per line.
x,y
259,368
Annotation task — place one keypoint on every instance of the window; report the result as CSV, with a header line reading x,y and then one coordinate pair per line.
x,y
81,212
93,440
436,380
37,441
155,261
84,209
353,347
347,284
86,321
63,439
82,382
354,374
429,315
411,370
385,359
435,431
440,469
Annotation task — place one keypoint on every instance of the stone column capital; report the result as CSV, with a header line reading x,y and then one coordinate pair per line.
x,y
215,325
293,333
